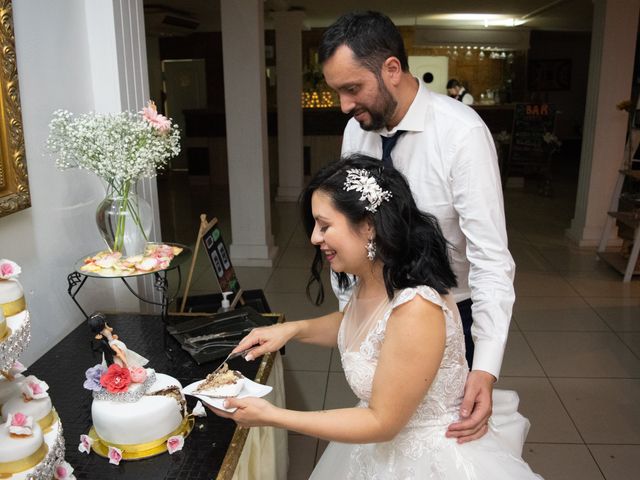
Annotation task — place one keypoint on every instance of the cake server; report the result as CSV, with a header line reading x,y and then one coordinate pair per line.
x,y
241,353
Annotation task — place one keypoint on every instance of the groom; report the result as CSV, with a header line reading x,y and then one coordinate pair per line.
x,y
446,153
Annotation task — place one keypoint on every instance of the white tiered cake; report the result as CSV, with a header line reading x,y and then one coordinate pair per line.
x,y
31,442
136,412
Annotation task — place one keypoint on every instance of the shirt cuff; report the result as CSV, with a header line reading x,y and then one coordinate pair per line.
x,y
487,356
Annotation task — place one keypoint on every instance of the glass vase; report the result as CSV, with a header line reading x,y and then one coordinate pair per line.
x,y
124,220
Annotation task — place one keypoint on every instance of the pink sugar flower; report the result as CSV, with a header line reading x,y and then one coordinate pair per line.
x,y
175,444
158,121
19,419
138,375
115,455
33,388
63,471
20,424
85,444
8,269
17,368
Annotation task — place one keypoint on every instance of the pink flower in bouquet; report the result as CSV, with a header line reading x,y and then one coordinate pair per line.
x,y
115,455
63,471
9,269
151,115
85,444
138,374
117,379
175,444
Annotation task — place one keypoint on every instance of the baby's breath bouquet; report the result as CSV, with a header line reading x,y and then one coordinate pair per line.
x,y
120,148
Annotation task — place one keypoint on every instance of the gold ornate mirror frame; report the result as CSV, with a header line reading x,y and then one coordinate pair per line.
x,y
14,183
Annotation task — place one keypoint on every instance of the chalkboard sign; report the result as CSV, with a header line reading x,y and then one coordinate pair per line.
x,y
210,236
217,253
530,122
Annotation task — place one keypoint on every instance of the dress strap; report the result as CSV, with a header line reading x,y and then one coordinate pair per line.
x,y
406,295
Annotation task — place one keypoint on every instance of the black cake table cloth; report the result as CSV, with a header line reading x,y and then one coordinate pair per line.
x,y
63,368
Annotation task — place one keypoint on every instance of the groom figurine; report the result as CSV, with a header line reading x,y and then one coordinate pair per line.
x,y
446,153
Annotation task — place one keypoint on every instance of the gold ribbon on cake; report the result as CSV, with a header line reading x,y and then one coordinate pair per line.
x,y
138,451
14,307
24,463
48,420
4,330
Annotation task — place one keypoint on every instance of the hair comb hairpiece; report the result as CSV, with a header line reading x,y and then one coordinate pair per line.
x,y
361,181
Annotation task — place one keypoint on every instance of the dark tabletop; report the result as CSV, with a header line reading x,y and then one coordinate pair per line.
x,y
63,368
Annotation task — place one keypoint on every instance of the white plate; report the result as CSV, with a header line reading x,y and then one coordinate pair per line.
x,y
249,389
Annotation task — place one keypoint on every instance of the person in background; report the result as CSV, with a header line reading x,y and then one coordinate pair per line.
x,y
447,154
457,91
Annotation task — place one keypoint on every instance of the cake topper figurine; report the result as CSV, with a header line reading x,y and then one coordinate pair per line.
x,y
113,349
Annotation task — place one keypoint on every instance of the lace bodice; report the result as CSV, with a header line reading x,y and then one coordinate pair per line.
x,y
440,405
420,451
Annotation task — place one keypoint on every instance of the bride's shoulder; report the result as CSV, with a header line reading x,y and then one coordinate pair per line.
x,y
423,292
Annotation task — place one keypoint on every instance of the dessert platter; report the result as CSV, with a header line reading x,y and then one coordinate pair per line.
x,y
156,257
136,412
31,441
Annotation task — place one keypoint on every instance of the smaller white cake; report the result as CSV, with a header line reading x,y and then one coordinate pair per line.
x,y
11,297
150,419
10,388
14,450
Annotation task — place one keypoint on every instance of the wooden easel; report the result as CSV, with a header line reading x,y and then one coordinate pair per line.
x,y
205,227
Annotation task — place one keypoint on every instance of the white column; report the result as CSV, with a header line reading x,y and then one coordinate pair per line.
x,y
288,27
613,44
246,121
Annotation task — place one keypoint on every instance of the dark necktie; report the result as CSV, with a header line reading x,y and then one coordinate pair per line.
x,y
387,145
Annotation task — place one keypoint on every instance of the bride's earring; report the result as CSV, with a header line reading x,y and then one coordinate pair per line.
x,y
371,249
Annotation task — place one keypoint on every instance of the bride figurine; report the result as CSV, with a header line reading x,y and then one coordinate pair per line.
x,y
400,340
114,350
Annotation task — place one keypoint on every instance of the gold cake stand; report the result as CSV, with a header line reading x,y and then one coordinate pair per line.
x,y
142,450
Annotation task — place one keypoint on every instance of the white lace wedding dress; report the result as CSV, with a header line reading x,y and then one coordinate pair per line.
x,y
421,451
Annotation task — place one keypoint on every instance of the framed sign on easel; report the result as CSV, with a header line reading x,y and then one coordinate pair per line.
x,y
210,237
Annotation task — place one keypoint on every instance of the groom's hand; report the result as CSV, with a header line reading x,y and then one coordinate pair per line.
x,y
475,409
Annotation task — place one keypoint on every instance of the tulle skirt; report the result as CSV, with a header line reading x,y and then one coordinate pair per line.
x,y
424,453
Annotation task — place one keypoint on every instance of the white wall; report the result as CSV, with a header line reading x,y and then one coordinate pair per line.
x,y
55,71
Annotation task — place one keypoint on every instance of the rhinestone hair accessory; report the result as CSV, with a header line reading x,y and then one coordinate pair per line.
x,y
361,181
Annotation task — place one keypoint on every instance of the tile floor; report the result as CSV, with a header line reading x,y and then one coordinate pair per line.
x,y
573,353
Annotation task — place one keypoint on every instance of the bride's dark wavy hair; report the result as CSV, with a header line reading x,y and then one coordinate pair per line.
x,y
409,243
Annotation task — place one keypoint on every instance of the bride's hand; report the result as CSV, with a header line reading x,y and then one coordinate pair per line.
x,y
268,339
251,412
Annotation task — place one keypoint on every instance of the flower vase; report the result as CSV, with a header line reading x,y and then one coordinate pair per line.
x,y
124,220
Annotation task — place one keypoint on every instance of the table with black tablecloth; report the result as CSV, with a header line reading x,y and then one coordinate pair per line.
x,y
212,449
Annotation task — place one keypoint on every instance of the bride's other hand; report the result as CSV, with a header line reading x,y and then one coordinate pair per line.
x,y
268,339
475,409
250,411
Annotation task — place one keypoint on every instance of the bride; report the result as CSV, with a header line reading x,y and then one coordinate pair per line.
x,y
400,340
113,349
